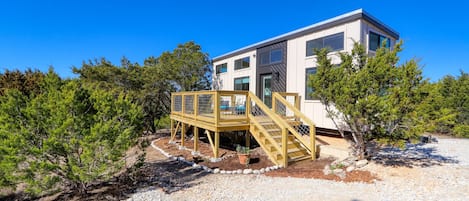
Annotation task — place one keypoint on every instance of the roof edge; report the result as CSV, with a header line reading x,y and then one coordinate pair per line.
x,y
356,14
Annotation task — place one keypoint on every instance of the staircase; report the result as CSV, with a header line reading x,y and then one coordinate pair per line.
x,y
280,137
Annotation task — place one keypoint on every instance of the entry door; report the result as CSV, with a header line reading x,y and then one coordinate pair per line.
x,y
266,89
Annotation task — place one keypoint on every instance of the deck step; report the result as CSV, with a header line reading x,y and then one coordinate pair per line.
x,y
298,158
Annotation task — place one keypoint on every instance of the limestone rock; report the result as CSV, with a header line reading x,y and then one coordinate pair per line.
x,y
247,171
361,163
350,169
216,171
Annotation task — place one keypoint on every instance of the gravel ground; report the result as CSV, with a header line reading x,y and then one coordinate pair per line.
x,y
437,171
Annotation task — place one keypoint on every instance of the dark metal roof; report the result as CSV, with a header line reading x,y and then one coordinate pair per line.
x,y
348,17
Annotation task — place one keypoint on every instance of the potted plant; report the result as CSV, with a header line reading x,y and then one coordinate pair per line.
x,y
243,154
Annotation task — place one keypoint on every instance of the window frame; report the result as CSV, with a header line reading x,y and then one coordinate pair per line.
x,y
310,51
239,63
380,40
241,78
218,70
266,56
309,97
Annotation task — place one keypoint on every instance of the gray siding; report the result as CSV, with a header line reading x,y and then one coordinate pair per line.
x,y
280,84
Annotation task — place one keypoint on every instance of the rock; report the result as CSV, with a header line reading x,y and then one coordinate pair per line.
x,y
222,171
262,170
338,171
181,159
195,165
239,171
267,169
216,171
350,168
256,172
247,171
361,163
280,166
327,170
228,172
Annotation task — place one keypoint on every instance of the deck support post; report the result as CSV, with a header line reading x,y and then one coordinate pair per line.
x,y
196,139
312,137
183,134
248,139
284,147
217,143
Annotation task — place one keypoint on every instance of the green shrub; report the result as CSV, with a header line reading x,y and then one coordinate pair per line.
x,y
461,130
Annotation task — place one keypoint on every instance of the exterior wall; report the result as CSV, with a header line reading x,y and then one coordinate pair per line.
x,y
225,81
278,84
292,70
298,63
365,30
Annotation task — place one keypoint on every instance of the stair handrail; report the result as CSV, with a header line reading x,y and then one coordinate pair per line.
x,y
309,122
276,119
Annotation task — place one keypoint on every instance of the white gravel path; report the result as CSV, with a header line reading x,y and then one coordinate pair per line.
x,y
447,178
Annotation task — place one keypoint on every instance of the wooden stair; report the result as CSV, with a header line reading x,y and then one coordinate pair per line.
x,y
269,137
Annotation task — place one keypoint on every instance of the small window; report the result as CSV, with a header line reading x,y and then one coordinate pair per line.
x,y
276,56
242,63
333,42
271,57
241,83
308,89
264,58
222,68
375,41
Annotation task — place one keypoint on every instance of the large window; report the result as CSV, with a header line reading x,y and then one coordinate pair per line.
x,y
271,57
242,63
375,41
241,83
222,68
308,89
333,43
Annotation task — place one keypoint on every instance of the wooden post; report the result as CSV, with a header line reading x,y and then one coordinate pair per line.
x,y
173,132
248,105
196,138
284,147
312,137
196,106
248,139
297,102
274,102
183,133
217,108
183,106
217,143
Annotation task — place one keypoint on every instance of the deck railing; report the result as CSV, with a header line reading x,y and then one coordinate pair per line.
x,y
216,107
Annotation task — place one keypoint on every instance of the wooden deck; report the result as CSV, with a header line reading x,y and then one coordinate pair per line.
x,y
277,130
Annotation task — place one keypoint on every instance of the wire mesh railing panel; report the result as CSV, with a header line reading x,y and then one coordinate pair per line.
x,y
177,103
232,106
206,105
189,104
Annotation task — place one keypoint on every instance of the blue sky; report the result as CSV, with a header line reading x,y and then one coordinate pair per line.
x,y
38,34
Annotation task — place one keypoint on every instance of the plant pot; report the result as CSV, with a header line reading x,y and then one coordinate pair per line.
x,y
243,159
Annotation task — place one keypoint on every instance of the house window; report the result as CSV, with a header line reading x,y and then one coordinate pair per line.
x,y
308,89
241,83
222,68
271,57
242,63
333,43
375,41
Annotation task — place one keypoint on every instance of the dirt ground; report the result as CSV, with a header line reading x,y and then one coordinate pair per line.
x,y
301,169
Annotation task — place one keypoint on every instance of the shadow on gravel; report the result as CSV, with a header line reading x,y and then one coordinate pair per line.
x,y
169,176
414,155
